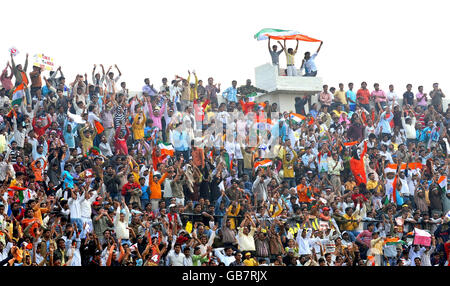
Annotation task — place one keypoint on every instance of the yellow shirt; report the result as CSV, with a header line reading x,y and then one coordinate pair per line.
x,y
235,213
250,262
372,185
2,143
290,58
38,211
138,127
377,246
288,166
350,225
193,93
340,97
87,142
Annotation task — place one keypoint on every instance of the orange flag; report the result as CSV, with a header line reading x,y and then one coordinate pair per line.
x,y
99,127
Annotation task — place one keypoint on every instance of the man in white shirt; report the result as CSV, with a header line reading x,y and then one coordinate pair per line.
x,y
175,93
303,241
105,147
407,195
409,125
246,236
175,257
226,258
308,63
415,251
391,96
111,81
75,209
85,207
121,223
4,250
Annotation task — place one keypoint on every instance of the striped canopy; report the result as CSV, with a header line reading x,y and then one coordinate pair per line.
x,y
278,34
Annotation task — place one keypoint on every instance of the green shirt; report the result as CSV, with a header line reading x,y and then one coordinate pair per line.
x,y
197,260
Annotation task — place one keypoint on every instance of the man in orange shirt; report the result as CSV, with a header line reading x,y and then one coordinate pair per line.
x,y
38,169
155,188
38,211
357,165
302,191
363,96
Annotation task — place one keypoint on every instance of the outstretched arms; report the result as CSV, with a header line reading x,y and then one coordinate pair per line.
x,y
321,43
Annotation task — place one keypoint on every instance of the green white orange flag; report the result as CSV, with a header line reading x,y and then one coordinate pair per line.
x,y
263,164
228,161
20,190
349,144
393,241
280,34
18,96
297,117
442,181
166,149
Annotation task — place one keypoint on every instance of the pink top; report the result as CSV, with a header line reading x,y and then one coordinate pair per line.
x,y
157,119
325,98
423,101
6,80
379,96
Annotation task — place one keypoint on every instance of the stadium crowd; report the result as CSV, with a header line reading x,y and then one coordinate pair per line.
x,y
188,174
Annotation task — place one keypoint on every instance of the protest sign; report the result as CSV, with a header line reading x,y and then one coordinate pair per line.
x,y
43,61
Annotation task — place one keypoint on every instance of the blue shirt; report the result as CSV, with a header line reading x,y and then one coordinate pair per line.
x,y
279,132
145,193
68,180
45,90
350,94
310,65
69,137
230,94
34,152
180,140
306,158
149,90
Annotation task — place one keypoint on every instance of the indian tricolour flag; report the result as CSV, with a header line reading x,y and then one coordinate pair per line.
x,y
166,149
297,117
251,96
17,97
350,144
263,164
442,181
393,241
24,194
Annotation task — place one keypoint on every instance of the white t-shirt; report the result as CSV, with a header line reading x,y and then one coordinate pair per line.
x,y
176,259
391,96
75,207
110,83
